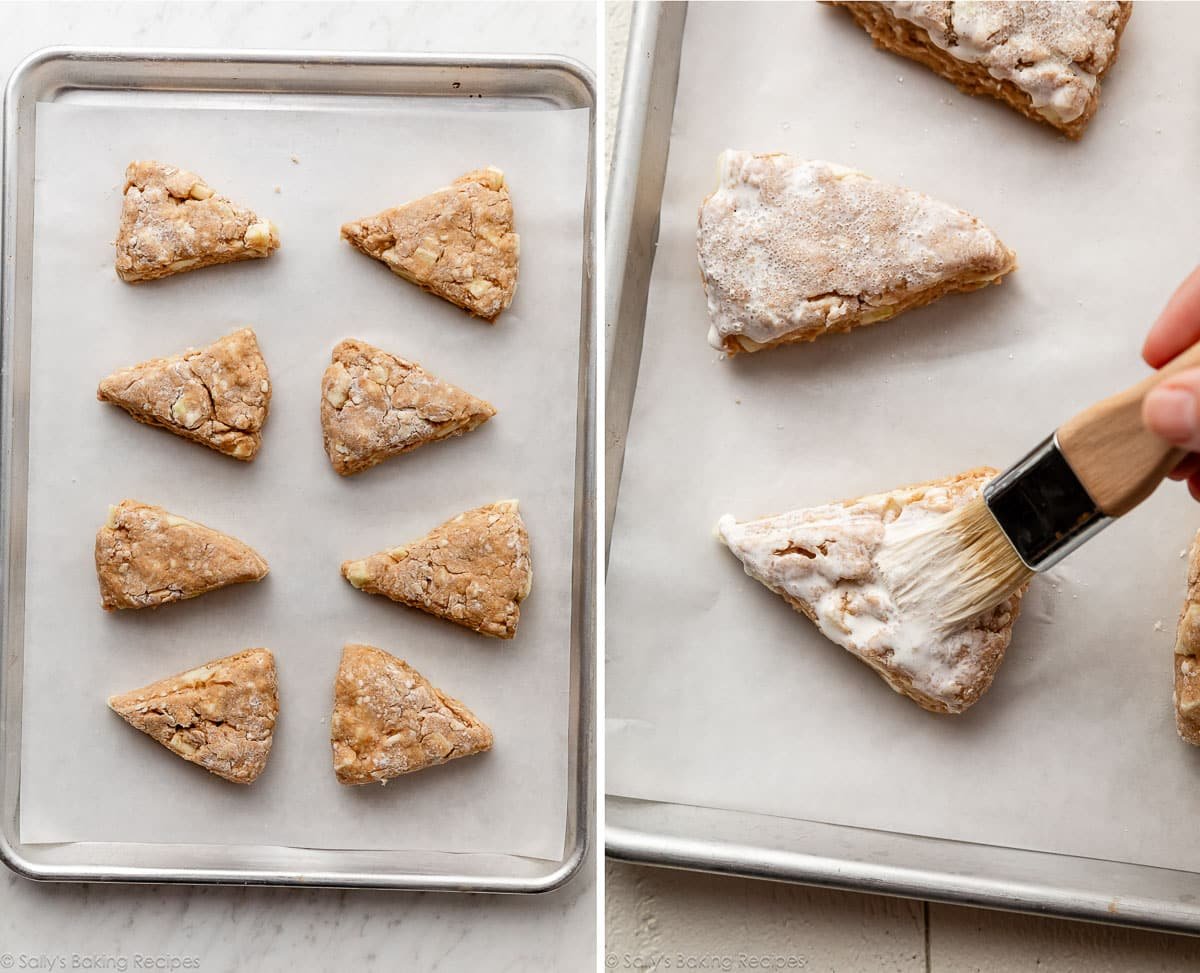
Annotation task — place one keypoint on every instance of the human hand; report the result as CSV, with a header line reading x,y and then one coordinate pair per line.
x,y
1172,410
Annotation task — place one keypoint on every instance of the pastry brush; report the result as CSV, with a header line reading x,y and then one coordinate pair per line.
x,y
1094,468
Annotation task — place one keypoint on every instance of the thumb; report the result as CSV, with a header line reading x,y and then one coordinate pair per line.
x,y
1172,410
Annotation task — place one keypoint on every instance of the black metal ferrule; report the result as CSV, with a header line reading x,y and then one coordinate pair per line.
x,y
1042,507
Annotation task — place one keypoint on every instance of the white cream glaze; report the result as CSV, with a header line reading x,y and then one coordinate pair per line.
x,y
1052,51
787,244
852,598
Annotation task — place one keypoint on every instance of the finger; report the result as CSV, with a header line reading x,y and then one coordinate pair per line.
x,y
1178,327
1194,487
1187,469
1172,410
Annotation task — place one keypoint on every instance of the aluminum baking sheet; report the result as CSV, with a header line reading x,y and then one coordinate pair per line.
x,y
764,716
86,780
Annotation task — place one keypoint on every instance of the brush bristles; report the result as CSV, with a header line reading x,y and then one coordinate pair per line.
x,y
953,567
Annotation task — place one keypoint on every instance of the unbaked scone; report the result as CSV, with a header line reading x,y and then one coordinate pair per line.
x,y
217,396
473,570
389,720
172,221
457,242
1187,654
375,406
1045,59
792,249
219,716
822,561
147,557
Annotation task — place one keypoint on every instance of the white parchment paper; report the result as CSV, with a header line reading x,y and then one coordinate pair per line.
x,y
88,776
721,695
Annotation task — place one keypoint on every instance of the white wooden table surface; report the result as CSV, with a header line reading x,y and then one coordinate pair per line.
x,y
660,919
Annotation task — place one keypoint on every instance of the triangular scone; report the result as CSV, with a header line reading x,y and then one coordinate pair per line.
x,y
474,570
375,405
389,720
1187,654
457,243
147,557
1043,59
822,562
172,221
220,716
218,396
792,249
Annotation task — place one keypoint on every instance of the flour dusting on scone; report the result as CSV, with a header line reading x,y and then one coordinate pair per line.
x,y
172,221
822,561
473,570
1187,654
375,406
458,242
146,556
219,716
792,249
389,720
1045,59
217,396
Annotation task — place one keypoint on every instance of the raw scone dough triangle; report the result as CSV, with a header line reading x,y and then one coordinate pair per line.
x,y
172,221
457,242
375,405
147,557
792,249
822,562
474,570
219,716
389,720
218,396
1187,654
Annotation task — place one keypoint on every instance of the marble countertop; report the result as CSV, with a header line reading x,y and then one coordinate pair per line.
x,y
210,928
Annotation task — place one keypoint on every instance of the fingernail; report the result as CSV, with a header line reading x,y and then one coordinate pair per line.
x,y
1171,414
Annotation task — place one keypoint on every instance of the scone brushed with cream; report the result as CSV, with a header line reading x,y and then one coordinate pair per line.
x,y
1045,59
458,242
219,716
822,562
791,249
147,556
390,720
217,396
1187,654
172,221
375,406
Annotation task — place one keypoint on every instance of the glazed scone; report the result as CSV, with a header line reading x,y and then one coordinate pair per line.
x,y
147,557
457,242
389,720
375,406
822,561
217,396
792,249
1045,59
473,570
219,716
172,221
1187,654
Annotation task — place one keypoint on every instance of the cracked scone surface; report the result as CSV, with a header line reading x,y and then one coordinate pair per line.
x,y
375,406
791,249
1187,654
822,561
172,221
457,242
474,570
146,556
219,716
389,720
218,395
1045,59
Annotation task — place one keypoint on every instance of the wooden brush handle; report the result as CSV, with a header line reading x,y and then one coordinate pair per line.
x,y
1116,458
